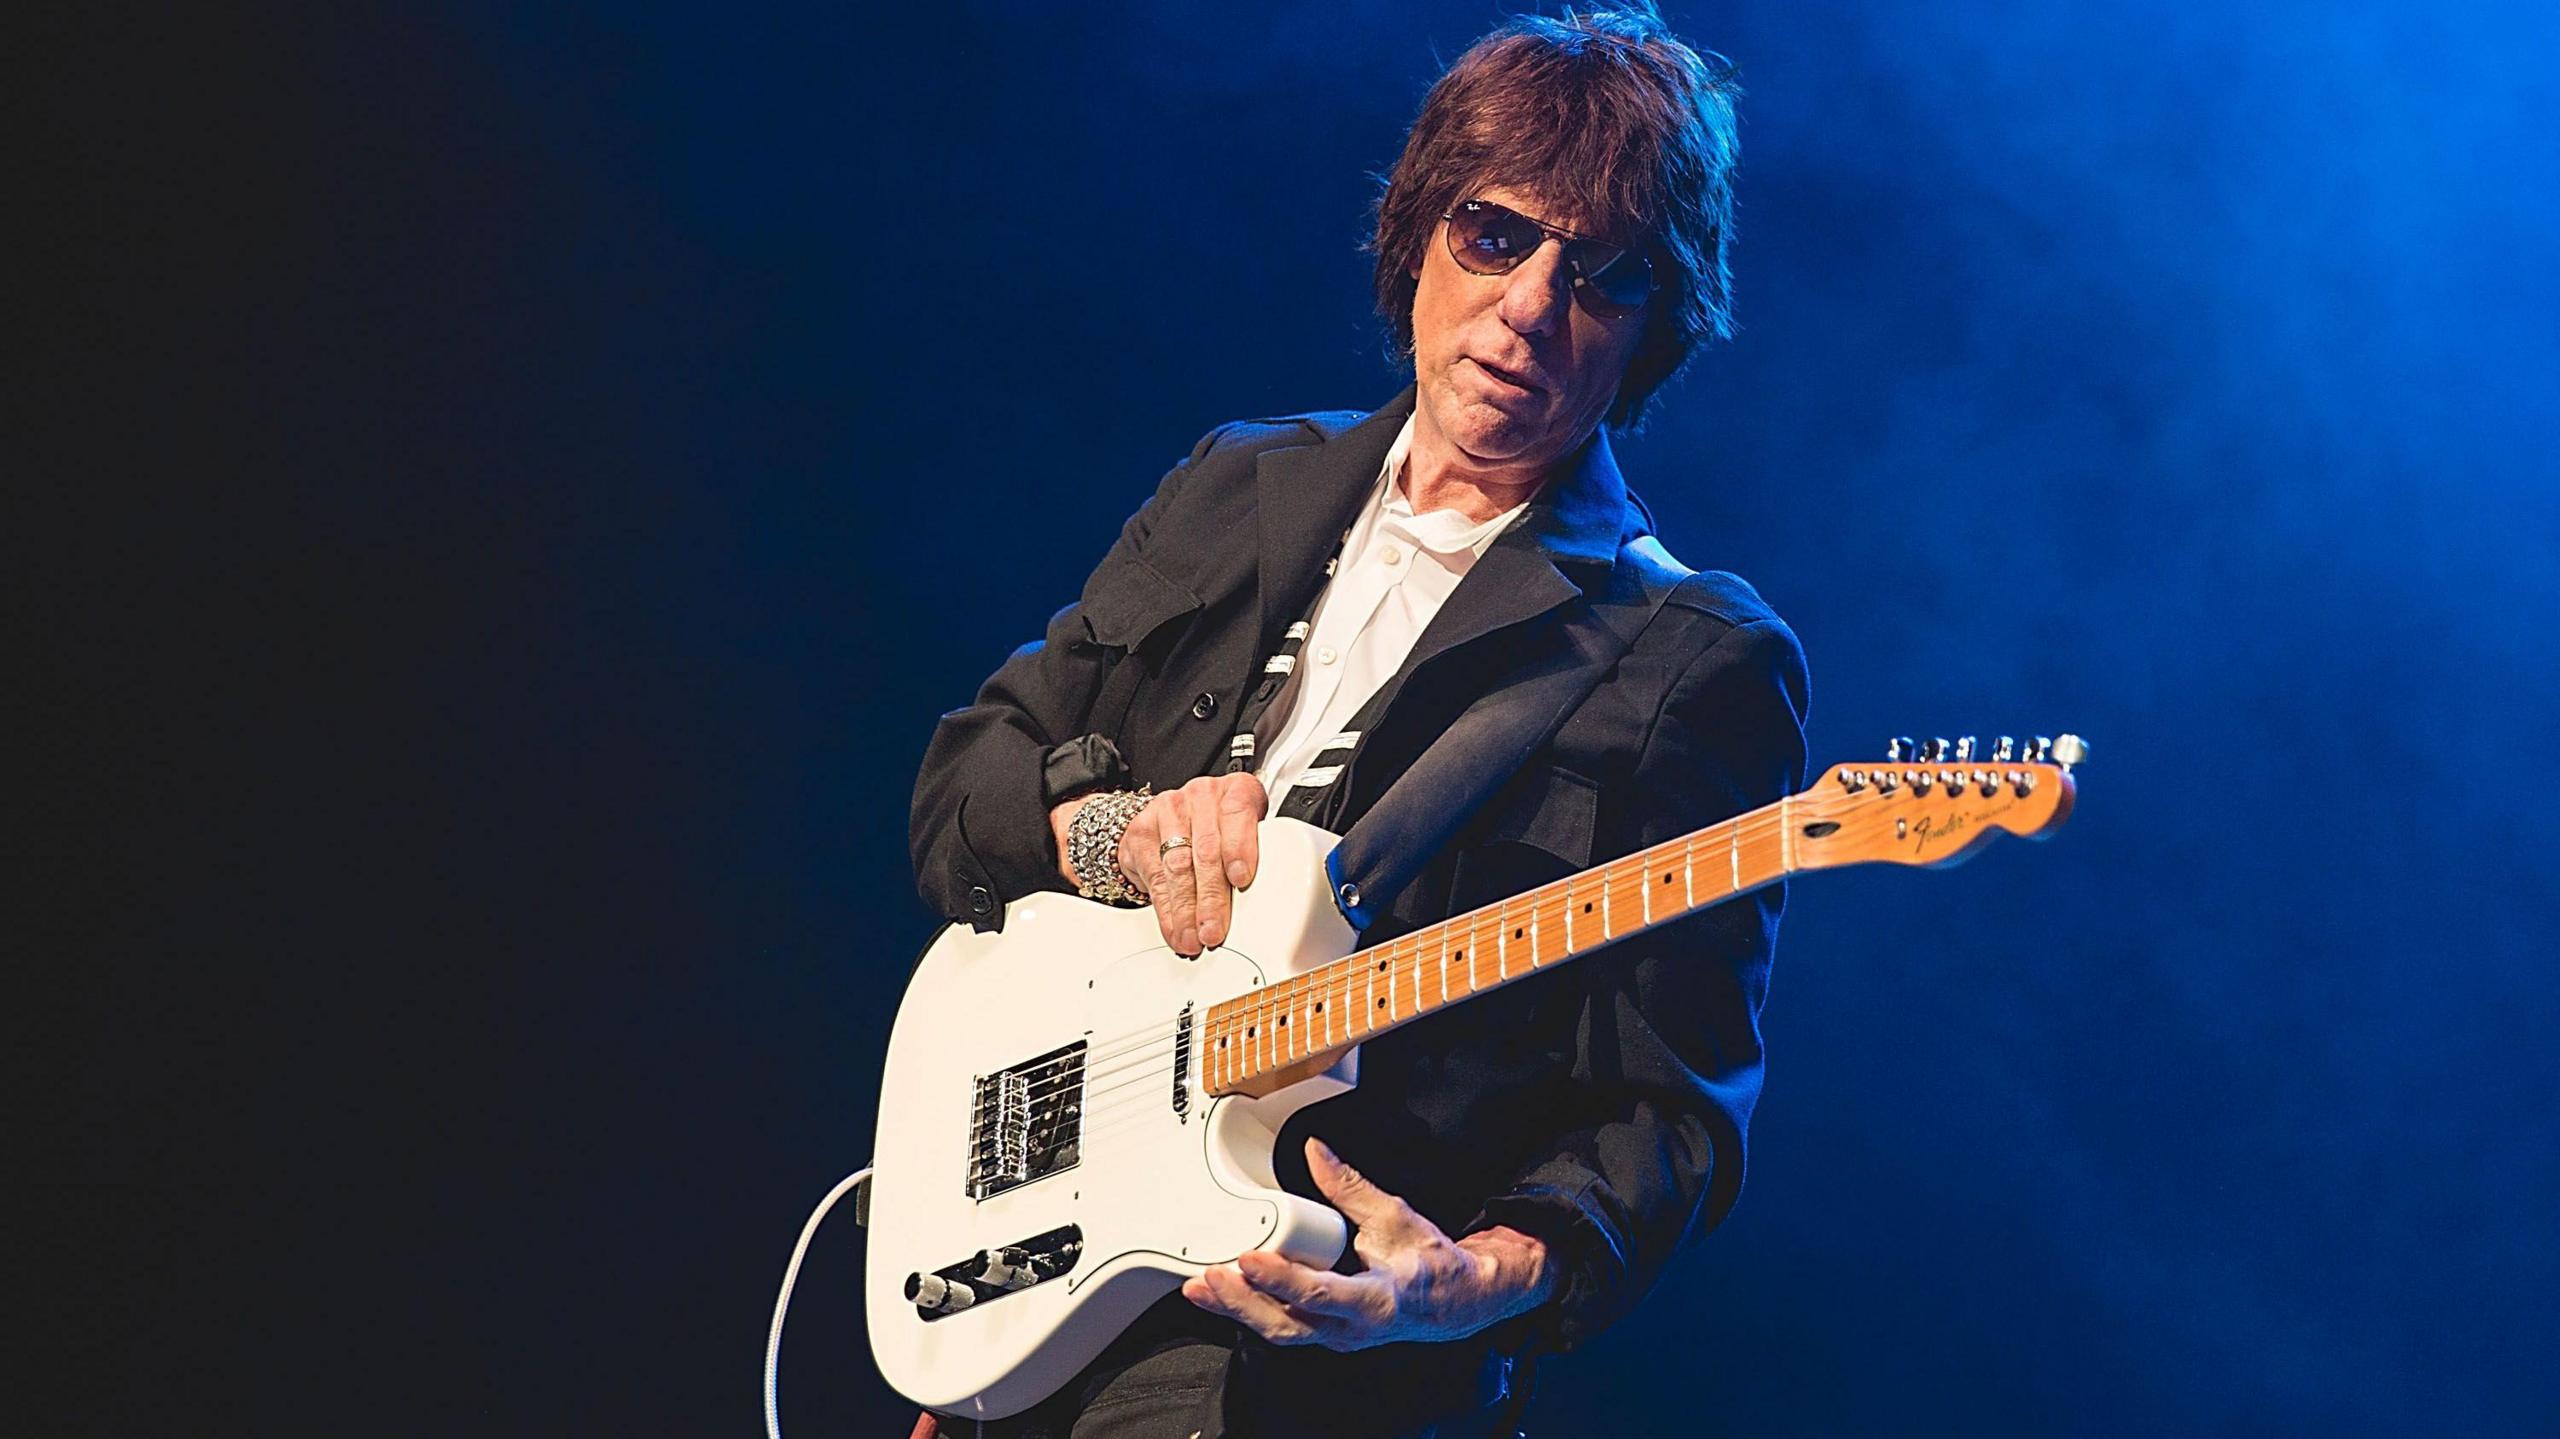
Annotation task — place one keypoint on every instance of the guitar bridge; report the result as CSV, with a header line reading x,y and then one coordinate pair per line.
x,y
1026,1122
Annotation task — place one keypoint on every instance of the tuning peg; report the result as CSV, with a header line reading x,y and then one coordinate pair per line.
x,y
1934,751
2005,750
1964,750
2040,750
2069,750
1898,749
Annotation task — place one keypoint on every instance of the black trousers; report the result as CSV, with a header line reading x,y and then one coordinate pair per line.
x,y
1179,1373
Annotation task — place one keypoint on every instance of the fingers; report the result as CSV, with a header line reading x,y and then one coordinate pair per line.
x,y
1192,885
1380,1215
1168,872
1222,1290
1241,804
1208,872
1313,1291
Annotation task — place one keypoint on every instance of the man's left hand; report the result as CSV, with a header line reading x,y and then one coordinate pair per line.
x,y
1417,1283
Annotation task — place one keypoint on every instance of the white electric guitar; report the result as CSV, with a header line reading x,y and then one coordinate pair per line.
x,y
1075,1119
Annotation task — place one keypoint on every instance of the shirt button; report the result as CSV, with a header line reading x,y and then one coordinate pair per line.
x,y
1391,554
982,901
1205,706
1325,654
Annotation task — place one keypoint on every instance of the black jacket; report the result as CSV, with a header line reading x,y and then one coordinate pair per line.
x,y
1601,1108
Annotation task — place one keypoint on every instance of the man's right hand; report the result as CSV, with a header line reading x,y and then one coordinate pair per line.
x,y
1191,886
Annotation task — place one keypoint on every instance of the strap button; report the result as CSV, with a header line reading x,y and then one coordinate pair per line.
x,y
1205,706
1351,896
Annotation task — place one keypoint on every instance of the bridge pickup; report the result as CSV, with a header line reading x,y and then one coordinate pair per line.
x,y
994,1273
1026,1122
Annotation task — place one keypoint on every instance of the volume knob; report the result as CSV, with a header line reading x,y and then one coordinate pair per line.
x,y
932,1291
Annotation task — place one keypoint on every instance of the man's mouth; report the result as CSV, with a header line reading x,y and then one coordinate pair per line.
x,y
1512,378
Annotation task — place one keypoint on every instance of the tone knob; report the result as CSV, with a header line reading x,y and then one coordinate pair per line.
x,y
932,1291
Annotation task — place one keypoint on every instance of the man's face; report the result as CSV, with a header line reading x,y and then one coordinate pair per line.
x,y
1511,372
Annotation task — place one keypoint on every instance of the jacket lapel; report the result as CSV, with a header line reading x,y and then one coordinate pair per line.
x,y
1303,498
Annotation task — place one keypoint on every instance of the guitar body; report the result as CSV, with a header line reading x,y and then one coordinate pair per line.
x,y
996,1133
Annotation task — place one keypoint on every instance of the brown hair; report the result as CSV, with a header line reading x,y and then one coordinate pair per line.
x,y
1614,121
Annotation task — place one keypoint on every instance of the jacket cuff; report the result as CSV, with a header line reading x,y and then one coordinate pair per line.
x,y
1081,766
1586,1260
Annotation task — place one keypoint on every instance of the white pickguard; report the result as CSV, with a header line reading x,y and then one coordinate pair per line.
x,y
1158,1195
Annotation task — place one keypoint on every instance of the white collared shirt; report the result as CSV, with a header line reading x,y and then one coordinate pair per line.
x,y
1394,573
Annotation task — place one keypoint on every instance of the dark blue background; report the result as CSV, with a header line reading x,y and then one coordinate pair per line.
x,y
535,477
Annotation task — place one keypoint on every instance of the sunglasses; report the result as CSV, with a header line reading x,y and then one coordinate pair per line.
x,y
1609,281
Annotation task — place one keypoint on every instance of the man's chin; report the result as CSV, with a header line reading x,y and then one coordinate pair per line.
x,y
1488,432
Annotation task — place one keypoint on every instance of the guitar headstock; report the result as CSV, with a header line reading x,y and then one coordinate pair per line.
x,y
1935,803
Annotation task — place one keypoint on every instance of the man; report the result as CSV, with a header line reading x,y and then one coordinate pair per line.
x,y
1443,631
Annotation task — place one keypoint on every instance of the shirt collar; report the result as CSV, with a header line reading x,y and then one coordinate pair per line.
x,y
1442,531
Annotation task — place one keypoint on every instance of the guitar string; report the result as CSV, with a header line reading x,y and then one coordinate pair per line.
x,y
1151,1048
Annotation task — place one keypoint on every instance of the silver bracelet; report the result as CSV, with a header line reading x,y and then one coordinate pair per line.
x,y
1093,845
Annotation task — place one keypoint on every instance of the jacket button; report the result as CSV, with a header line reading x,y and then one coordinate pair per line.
x,y
1205,706
982,901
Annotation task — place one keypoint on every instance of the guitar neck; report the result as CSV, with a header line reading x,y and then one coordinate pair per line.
x,y
1258,1042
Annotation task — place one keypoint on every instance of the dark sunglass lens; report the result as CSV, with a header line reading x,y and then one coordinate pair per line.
x,y
1621,277
1489,239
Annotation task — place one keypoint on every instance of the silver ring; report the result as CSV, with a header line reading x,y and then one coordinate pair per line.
x,y
1169,846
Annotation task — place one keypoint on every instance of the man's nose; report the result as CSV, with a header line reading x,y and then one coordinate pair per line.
x,y
1538,293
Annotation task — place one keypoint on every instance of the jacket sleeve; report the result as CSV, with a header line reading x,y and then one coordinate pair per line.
x,y
978,830
1666,1054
